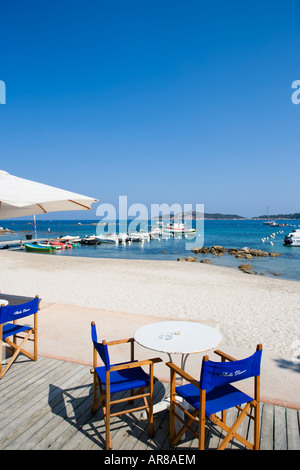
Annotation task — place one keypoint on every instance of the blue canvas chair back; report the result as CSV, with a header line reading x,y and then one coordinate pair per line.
x,y
9,313
101,348
215,374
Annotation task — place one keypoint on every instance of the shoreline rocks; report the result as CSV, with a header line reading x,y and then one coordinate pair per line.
x,y
244,252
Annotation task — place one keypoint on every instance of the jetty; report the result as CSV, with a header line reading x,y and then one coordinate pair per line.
x,y
14,244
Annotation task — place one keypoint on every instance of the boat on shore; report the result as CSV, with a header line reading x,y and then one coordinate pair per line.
x,y
292,239
39,248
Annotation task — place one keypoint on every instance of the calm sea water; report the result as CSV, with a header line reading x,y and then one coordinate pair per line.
x,y
228,233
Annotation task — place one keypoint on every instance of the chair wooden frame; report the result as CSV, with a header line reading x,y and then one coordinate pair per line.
x,y
198,416
104,398
30,334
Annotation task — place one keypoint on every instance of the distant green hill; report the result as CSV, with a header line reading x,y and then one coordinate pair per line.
x,y
296,215
192,215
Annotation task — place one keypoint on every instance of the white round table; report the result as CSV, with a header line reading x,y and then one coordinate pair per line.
x,y
178,337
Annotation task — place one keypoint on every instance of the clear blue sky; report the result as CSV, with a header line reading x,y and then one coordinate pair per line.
x,y
163,101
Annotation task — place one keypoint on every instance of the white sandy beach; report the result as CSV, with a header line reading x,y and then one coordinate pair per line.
x,y
246,309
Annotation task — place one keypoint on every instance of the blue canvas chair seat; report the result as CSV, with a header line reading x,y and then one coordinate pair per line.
x,y
123,380
218,399
9,316
122,377
9,329
215,393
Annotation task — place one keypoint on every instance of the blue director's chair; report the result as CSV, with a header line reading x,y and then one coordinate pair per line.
x,y
213,394
9,315
126,376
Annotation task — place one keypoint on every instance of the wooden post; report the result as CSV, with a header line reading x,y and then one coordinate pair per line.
x,y
151,425
257,406
172,406
201,425
107,412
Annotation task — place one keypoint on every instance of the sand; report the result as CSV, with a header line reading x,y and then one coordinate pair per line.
x,y
246,309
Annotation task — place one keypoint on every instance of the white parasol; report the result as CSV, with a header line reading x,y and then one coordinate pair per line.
x,y
20,197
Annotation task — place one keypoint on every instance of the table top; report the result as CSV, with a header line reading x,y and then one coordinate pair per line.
x,y
178,337
9,299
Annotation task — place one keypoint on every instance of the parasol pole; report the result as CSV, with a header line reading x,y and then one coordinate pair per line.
x,y
34,226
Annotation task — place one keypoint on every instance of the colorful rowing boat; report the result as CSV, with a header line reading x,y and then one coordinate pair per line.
x,y
39,248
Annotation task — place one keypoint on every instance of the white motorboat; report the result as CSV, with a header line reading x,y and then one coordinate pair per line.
x,y
69,238
123,237
146,236
90,240
155,232
136,237
178,228
109,238
293,238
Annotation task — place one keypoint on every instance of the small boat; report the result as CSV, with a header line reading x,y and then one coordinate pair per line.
x,y
136,237
109,238
69,238
155,232
177,228
57,244
39,248
123,237
91,240
270,222
293,238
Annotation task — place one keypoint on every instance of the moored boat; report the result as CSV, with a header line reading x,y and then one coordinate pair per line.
x,y
136,237
108,238
39,248
293,238
91,240
177,228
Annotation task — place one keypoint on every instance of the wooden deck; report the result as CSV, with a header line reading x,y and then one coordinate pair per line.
x,y
47,405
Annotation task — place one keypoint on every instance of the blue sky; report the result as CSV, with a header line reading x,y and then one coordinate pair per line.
x,y
162,101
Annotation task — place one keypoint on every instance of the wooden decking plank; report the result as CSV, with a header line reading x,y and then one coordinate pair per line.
x,y
66,415
267,427
47,405
86,433
137,436
280,437
44,419
33,393
292,426
132,421
14,378
13,372
243,431
29,388
24,380
117,424
33,416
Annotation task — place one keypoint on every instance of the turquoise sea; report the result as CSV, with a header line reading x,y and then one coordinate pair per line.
x,y
228,233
